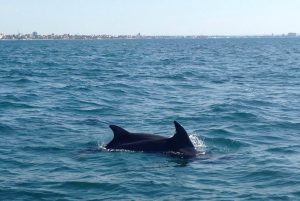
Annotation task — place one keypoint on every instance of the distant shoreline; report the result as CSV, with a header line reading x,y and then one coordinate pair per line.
x,y
36,36
146,38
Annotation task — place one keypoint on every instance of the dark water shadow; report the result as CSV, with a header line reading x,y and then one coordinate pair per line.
x,y
172,159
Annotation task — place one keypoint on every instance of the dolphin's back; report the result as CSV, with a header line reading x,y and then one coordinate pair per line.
x,y
180,142
122,136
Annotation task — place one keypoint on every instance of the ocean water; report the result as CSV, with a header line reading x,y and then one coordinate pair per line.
x,y
239,99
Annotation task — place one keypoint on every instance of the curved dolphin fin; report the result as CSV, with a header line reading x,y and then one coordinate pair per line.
x,y
181,138
118,131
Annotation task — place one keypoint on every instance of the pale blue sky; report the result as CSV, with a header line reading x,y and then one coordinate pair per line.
x,y
152,17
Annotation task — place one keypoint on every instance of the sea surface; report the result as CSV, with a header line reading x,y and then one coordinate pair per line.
x,y
239,100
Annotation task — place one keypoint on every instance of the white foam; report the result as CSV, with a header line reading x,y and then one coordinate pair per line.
x,y
101,145
198,143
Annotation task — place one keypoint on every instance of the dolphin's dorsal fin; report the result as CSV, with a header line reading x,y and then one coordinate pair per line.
x,y
181,138
118,131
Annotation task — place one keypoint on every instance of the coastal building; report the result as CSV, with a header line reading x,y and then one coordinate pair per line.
x,y
34,34
291,34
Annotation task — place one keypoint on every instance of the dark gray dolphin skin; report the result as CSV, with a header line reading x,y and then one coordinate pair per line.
x,y
180,143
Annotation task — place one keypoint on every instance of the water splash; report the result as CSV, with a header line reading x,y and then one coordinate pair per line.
x,y
198,143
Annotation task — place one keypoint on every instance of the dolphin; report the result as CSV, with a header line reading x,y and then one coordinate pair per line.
x,y
179,144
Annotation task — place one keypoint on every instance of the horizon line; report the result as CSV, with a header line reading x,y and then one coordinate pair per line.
x,y
150,35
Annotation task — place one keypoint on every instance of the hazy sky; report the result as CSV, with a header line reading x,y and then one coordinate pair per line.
x,y
154,17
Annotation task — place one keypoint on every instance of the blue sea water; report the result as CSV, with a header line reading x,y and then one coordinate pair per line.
x,y
239,99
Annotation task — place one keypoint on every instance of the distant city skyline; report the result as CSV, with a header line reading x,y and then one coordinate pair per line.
x,y
36,36
155,17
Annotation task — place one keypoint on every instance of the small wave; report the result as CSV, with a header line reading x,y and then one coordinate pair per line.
x,y
50,63
241,116
19,72
89,103
245,115
5,128
297,193
222,132
91,150
47,149
257,103
109,55
288,125
21,193
220,107
220,81
23,81
285,150
224,144
93,110
62,168
11,97
90,122
6,104
263,175
88,185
